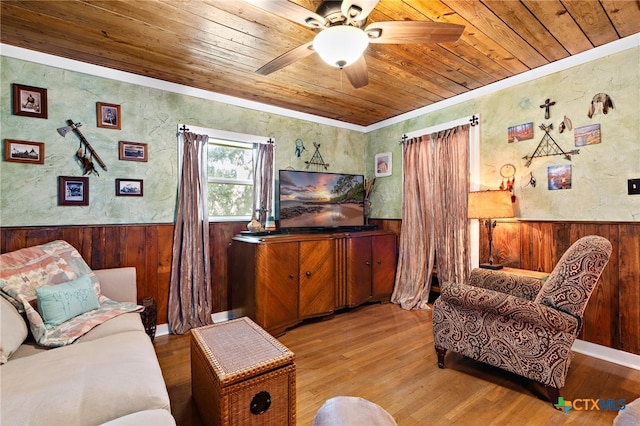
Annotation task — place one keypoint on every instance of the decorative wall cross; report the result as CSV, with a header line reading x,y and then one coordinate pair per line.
x,y
546,105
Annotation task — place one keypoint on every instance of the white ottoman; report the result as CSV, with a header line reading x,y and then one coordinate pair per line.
x,y
630,416
349,411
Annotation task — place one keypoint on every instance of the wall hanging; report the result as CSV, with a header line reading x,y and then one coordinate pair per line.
x,y
129,187
559,177
317,160
601,103
73,191
109,116
587,135
85,161
29,101
132,151
299,147
23,151
383,164
548,147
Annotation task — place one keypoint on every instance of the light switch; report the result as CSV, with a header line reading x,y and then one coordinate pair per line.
x,y
634,186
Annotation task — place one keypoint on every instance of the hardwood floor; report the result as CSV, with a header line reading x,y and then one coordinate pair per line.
x,y
385,354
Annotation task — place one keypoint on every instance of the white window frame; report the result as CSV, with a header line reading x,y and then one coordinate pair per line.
x,y
223,137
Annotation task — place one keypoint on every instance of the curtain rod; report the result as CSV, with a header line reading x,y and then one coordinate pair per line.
x,y
473,121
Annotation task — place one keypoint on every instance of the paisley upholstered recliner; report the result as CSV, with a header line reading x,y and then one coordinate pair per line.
x,y
522,325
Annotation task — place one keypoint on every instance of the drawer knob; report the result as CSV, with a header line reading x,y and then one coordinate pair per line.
x,y
308,273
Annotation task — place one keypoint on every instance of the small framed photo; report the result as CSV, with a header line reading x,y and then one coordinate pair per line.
x,y
73,191
383,164
587,135
132,151
29,101
23,151
129,187
109,116
559,177
520,132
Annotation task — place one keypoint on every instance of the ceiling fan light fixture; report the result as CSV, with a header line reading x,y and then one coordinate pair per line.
x,y
340,46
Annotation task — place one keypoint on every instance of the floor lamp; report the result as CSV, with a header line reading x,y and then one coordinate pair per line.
x,y
490,205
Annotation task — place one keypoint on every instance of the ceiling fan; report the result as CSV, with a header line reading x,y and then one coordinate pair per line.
x,y
343,40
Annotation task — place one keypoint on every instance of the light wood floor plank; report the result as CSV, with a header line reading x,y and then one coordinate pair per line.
x,y
385,354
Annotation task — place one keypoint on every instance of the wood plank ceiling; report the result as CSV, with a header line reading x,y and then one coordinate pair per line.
x,y
217,45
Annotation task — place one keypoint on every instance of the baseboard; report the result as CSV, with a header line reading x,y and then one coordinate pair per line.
x,y
163,329
605,353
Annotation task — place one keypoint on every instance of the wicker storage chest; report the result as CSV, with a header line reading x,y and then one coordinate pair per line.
x,y
241,375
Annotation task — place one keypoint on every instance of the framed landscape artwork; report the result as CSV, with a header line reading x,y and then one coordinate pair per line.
x,y
73,191
29,101
23,151
133,151
129,187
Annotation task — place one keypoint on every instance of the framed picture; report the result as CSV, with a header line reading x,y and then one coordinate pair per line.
x,y
29,101
559,177
520,132
383,164
587,135
73,191
23,151
132,151
129,187
109,116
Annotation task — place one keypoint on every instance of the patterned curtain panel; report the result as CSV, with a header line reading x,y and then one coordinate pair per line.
x,y
190,301
263,181
434,215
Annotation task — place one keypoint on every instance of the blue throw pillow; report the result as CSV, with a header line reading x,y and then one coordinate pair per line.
x,y
61,302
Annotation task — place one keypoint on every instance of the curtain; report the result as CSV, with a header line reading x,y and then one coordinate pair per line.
x,y
263,181
190,302
434,215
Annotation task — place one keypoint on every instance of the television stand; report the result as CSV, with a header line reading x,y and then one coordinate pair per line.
x,y
280,280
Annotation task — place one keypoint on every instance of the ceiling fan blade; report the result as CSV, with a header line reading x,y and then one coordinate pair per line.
x,y
357,73
357,10
405,32
287,58
291,11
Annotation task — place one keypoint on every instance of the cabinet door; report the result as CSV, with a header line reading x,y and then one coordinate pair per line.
x,y
384,252
277,285
358,270
317,278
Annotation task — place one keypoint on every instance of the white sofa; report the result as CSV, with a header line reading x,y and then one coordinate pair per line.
x,y
109,375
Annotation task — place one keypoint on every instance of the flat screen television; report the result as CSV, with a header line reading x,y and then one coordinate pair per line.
x,y
318,200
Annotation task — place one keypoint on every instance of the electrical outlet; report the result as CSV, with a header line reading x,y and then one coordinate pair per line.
x,y
634,186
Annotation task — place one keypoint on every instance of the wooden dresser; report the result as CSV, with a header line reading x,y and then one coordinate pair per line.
x,y
279,280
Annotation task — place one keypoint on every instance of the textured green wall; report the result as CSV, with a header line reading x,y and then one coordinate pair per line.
x,y
29,192
599,172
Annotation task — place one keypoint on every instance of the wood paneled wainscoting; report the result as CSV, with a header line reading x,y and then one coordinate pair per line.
x,y
612,317
147,247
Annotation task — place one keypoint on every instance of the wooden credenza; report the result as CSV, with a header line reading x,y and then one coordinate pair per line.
x,y
279,280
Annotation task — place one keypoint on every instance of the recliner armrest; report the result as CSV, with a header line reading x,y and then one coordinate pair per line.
x,y
505,282
118,284
509,306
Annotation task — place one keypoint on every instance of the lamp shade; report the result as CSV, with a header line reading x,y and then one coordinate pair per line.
x,y
490,204
341,45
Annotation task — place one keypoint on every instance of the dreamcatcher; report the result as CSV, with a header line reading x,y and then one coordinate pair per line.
x,y
508,173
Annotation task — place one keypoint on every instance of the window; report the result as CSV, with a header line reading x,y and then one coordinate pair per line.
x,y
230,179
229,173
